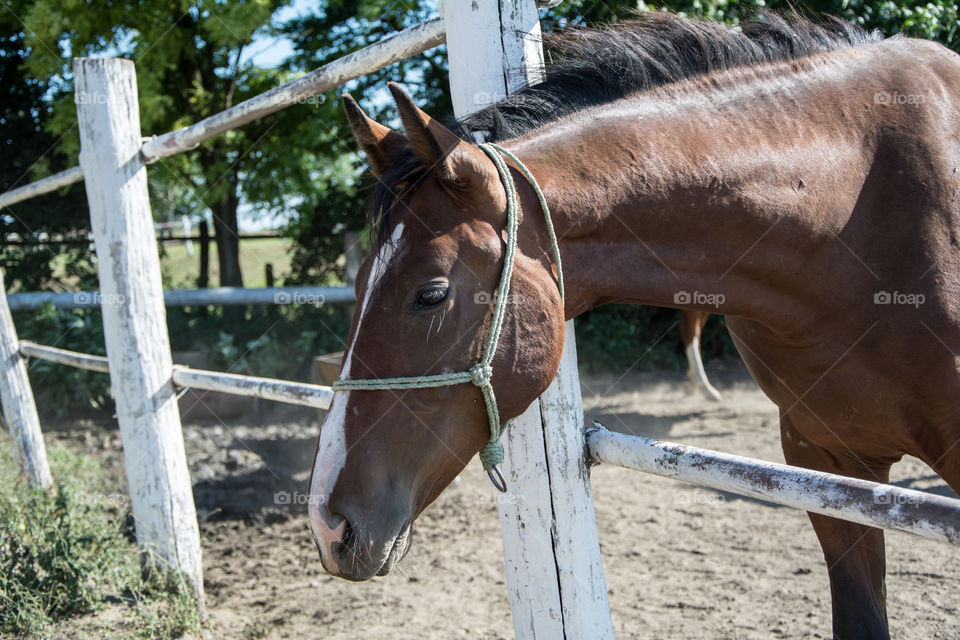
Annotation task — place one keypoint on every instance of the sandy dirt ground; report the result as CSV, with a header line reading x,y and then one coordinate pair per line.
x,y
680,561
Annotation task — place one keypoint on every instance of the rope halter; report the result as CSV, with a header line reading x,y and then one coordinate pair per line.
x,y
480,375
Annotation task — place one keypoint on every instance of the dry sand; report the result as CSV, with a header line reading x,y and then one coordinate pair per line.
x,y
680,562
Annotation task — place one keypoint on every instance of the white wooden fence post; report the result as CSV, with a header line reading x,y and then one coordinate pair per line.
x,y
134,318
551,551
19,408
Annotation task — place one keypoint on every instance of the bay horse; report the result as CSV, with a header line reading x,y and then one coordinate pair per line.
x,y
807,173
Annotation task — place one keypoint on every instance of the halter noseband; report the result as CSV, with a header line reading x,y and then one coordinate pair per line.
x,y
491,455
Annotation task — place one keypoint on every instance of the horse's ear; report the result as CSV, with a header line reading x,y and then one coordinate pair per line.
x,y
430,140
382,144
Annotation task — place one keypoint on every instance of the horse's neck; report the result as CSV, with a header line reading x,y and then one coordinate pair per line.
x,y
655,201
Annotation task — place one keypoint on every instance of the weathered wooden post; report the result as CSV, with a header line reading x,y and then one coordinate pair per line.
x,y
134,317
268,275
19,408
551,551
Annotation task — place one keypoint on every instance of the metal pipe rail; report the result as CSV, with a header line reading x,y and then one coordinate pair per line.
x,y
300,393
376,56
225,296
869,503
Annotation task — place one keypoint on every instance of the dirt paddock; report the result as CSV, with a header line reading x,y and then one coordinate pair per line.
x,y
680,562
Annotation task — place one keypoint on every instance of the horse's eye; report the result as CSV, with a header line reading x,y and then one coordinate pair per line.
x,y
432,296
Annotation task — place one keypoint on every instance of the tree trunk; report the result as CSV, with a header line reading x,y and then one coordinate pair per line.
x,y
228,241
224,210
204,280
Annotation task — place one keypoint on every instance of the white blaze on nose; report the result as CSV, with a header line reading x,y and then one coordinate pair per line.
x,y
332,450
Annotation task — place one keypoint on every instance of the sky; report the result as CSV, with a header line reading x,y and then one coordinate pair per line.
x,y
271,51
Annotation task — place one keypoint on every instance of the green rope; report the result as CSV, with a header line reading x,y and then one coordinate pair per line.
x,y
480,374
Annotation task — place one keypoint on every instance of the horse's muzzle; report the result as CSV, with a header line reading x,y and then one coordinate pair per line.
x,y
353,554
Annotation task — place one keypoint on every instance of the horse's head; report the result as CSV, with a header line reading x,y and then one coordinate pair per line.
x,y
424,306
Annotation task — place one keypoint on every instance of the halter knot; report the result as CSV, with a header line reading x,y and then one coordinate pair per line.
x,y
480,374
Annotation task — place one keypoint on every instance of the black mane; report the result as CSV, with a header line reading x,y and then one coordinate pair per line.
x,y
589,67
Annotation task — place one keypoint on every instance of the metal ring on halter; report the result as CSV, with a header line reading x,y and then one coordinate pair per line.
x,y
496,479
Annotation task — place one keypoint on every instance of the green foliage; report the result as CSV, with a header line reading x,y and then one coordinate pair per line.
x,y
62,550
934,20
24,114
617,337
57,549
338,201
59,389
275,342
269,341
190,65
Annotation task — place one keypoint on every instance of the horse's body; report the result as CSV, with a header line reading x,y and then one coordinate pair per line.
x,y
808,192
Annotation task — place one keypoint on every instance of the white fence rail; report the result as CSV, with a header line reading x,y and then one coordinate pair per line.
x,y
65,357
394,48
224,296
869,503
300,393
40,187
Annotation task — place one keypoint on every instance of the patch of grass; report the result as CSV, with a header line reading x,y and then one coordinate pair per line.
x,y
181,271
257,630
68,551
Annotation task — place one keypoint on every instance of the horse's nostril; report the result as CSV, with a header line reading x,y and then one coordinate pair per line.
x,y
341,548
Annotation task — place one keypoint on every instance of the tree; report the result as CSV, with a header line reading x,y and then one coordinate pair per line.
x,y
28,157
190,65
336,29
934,20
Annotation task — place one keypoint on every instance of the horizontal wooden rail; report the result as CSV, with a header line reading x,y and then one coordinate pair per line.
x,y
301,393
869,503
40,187
373,57
226,296
66,357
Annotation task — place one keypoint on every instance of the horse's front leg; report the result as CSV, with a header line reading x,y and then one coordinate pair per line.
x,y
854,552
